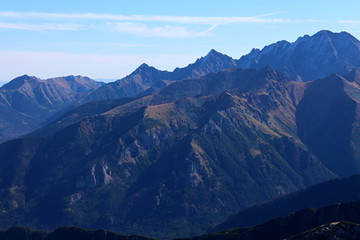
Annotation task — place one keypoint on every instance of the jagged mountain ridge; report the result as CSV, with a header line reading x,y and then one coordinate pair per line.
x,y
227,142
146,79
27,101
309,57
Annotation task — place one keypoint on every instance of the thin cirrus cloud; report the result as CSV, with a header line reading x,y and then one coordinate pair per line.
x,y
140,25
165,31
349,21
144,18
40,27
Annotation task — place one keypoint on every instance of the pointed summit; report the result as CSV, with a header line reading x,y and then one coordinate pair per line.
x,y
213,52
144,65
214,61
144,68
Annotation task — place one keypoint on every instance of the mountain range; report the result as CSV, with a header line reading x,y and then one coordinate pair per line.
x,y
171,154
308,58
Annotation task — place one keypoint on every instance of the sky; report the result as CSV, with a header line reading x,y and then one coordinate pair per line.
x,y
109,39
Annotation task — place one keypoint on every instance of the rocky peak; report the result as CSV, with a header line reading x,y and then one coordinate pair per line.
x,y
143,68
21,82
214,54
214,57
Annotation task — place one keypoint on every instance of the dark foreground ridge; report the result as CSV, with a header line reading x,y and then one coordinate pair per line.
x,y
319,195
63,233
309,223
339,221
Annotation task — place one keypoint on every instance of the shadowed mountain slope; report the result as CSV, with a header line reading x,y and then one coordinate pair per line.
x,y
168,164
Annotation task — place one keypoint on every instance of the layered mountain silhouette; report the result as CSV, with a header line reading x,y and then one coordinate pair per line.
x,y
146,79
26,101
308,58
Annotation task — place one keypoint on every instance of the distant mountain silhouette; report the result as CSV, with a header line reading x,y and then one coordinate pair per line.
x,y
146,79
27,101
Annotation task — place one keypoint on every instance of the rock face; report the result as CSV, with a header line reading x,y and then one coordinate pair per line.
x,y
309,57
168,164
27,101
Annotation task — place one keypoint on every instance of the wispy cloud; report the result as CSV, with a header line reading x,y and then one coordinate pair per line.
x,y
163,31
140,25
349,21
39,27
145,18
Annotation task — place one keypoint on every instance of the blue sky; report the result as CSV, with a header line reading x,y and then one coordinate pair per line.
x,y
109,39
